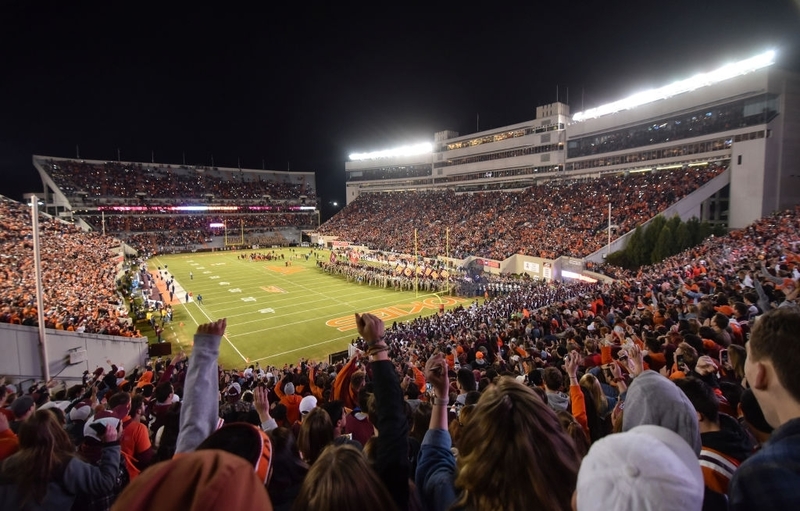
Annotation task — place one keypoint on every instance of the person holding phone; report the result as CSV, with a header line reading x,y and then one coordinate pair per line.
x,y
46,473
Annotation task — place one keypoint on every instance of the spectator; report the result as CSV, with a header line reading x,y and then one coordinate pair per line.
x,y
22,408
648,467
770,478
135,441
553,383
488,474
202,480
342,479
46,474
316,433
9,443
289,470
725,444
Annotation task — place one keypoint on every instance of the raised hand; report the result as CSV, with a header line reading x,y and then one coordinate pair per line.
x,y
215,328
370,327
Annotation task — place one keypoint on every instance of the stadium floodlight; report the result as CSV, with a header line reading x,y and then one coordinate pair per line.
x,y
700,80
204,208
406,150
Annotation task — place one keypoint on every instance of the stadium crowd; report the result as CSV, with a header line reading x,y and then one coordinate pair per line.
x,y
121,180
673,388
79,271
565,217
144,223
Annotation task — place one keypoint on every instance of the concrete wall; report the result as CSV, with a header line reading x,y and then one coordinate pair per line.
x,y
20,358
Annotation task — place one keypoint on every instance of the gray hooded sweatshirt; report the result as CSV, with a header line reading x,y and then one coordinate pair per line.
x,y
654,399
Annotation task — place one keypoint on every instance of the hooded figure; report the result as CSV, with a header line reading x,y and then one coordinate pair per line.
x,y
653,399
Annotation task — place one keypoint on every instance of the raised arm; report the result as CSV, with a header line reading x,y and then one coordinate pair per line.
x,y
391,460
200,410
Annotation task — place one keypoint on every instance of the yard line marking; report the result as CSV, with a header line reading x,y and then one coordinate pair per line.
x,y
211,320
302,348
309,290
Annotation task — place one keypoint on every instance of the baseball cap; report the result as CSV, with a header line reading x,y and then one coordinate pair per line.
x,y
21,405
307,404
647,467
234,389
81,411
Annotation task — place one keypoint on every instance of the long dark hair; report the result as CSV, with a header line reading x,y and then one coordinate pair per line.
x,y
169,438
44,451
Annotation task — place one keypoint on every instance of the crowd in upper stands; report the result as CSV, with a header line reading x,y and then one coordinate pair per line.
x,y
144,223
123,180
565,217
79,271
671,388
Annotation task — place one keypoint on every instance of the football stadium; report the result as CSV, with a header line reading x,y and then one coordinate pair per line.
x,y
580,273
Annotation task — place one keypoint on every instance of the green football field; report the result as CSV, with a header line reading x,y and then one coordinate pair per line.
x,y
278,313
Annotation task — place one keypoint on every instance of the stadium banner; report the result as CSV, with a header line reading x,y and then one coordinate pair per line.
x,y
435,275
408,272
547,271
445,274
491,264
529,266
428,271
340,243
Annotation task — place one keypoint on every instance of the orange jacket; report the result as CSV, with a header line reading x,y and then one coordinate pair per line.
x,y
9,444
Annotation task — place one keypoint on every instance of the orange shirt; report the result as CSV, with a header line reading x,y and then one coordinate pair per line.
x,y
135,440
9,444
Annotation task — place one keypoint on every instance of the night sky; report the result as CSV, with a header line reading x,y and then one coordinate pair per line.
x,y
301,86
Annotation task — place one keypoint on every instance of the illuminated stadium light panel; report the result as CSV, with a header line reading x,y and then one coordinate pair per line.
x,y
206,208
680,87
407,150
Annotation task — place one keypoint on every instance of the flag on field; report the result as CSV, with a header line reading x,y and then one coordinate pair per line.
x,y
434,275
445,274
428,271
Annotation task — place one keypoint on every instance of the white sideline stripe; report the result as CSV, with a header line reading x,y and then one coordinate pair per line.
x,y
244,359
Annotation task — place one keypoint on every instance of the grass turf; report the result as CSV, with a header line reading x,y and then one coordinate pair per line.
x,y
278,313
